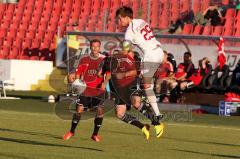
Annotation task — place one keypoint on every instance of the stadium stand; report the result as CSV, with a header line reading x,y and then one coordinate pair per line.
x,y
34,24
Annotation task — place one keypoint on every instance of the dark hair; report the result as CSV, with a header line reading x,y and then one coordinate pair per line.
x,y
125,12
188,53
95,41
171,59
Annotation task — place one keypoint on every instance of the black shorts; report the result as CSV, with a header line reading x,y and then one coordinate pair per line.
x,y
89,102
124,93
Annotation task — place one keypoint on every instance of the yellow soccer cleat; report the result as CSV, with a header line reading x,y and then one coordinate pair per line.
x,y
159,130
145,131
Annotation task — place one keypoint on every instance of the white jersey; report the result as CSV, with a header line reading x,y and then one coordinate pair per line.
x,y
140,33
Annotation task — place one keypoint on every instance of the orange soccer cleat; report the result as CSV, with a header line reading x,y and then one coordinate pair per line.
x,y
68,135
96,138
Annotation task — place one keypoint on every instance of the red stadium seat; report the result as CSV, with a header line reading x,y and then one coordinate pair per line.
x,y
185,5
229,22
196,6
95,7
11,7
21,33
18,16
238,15
31,33
12,32
1,41
40,34
27,43
126,3
36,43
5,50
111,27
8,41
207,30
6,23
34,24
18,43
15,24
187,29
43,25
3,32
8,16
49,35
36,16
237,23
197,30
45,44
2,7
231,13
217,31
105,5
225,2
205,4
23,57
237,32
115,4
21,4
163,24
13,53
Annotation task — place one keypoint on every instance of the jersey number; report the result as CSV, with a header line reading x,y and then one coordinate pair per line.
x,y
147,32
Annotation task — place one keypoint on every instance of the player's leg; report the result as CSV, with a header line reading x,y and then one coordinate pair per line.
x,y
151,62
128,118
144,109
148,87
76,117
98,119
150,66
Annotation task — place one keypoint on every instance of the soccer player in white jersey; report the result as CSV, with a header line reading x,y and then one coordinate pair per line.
x,y
140,33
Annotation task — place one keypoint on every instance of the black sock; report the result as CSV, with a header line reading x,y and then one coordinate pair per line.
x,y
127,118
75,121
97,125
148,113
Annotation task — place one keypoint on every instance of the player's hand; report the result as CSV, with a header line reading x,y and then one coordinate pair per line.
x,y
103,86
71,77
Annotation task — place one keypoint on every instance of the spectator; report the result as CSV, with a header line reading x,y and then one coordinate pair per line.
x,y
171,59
213,15
186,17
195,79
185,69
164,78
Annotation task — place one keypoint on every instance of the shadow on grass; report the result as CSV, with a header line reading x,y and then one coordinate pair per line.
x,y
7,155
30,142
30,133
125,133
209,154
202,142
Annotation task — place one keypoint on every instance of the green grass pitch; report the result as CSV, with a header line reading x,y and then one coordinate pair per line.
x,y
29,129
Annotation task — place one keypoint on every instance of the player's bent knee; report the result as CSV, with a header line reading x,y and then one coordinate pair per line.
x,y
119,115
80,108
148,86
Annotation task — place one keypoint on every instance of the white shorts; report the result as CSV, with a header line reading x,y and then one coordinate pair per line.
x,y
151,61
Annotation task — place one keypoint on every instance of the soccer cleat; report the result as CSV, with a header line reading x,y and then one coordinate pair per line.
x,y
96,138
145,131
68,135
159,130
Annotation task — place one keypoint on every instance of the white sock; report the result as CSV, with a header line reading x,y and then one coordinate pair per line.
x,y
152,100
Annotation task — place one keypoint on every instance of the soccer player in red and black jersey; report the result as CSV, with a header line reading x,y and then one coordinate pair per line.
x,y
124,75
87,71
